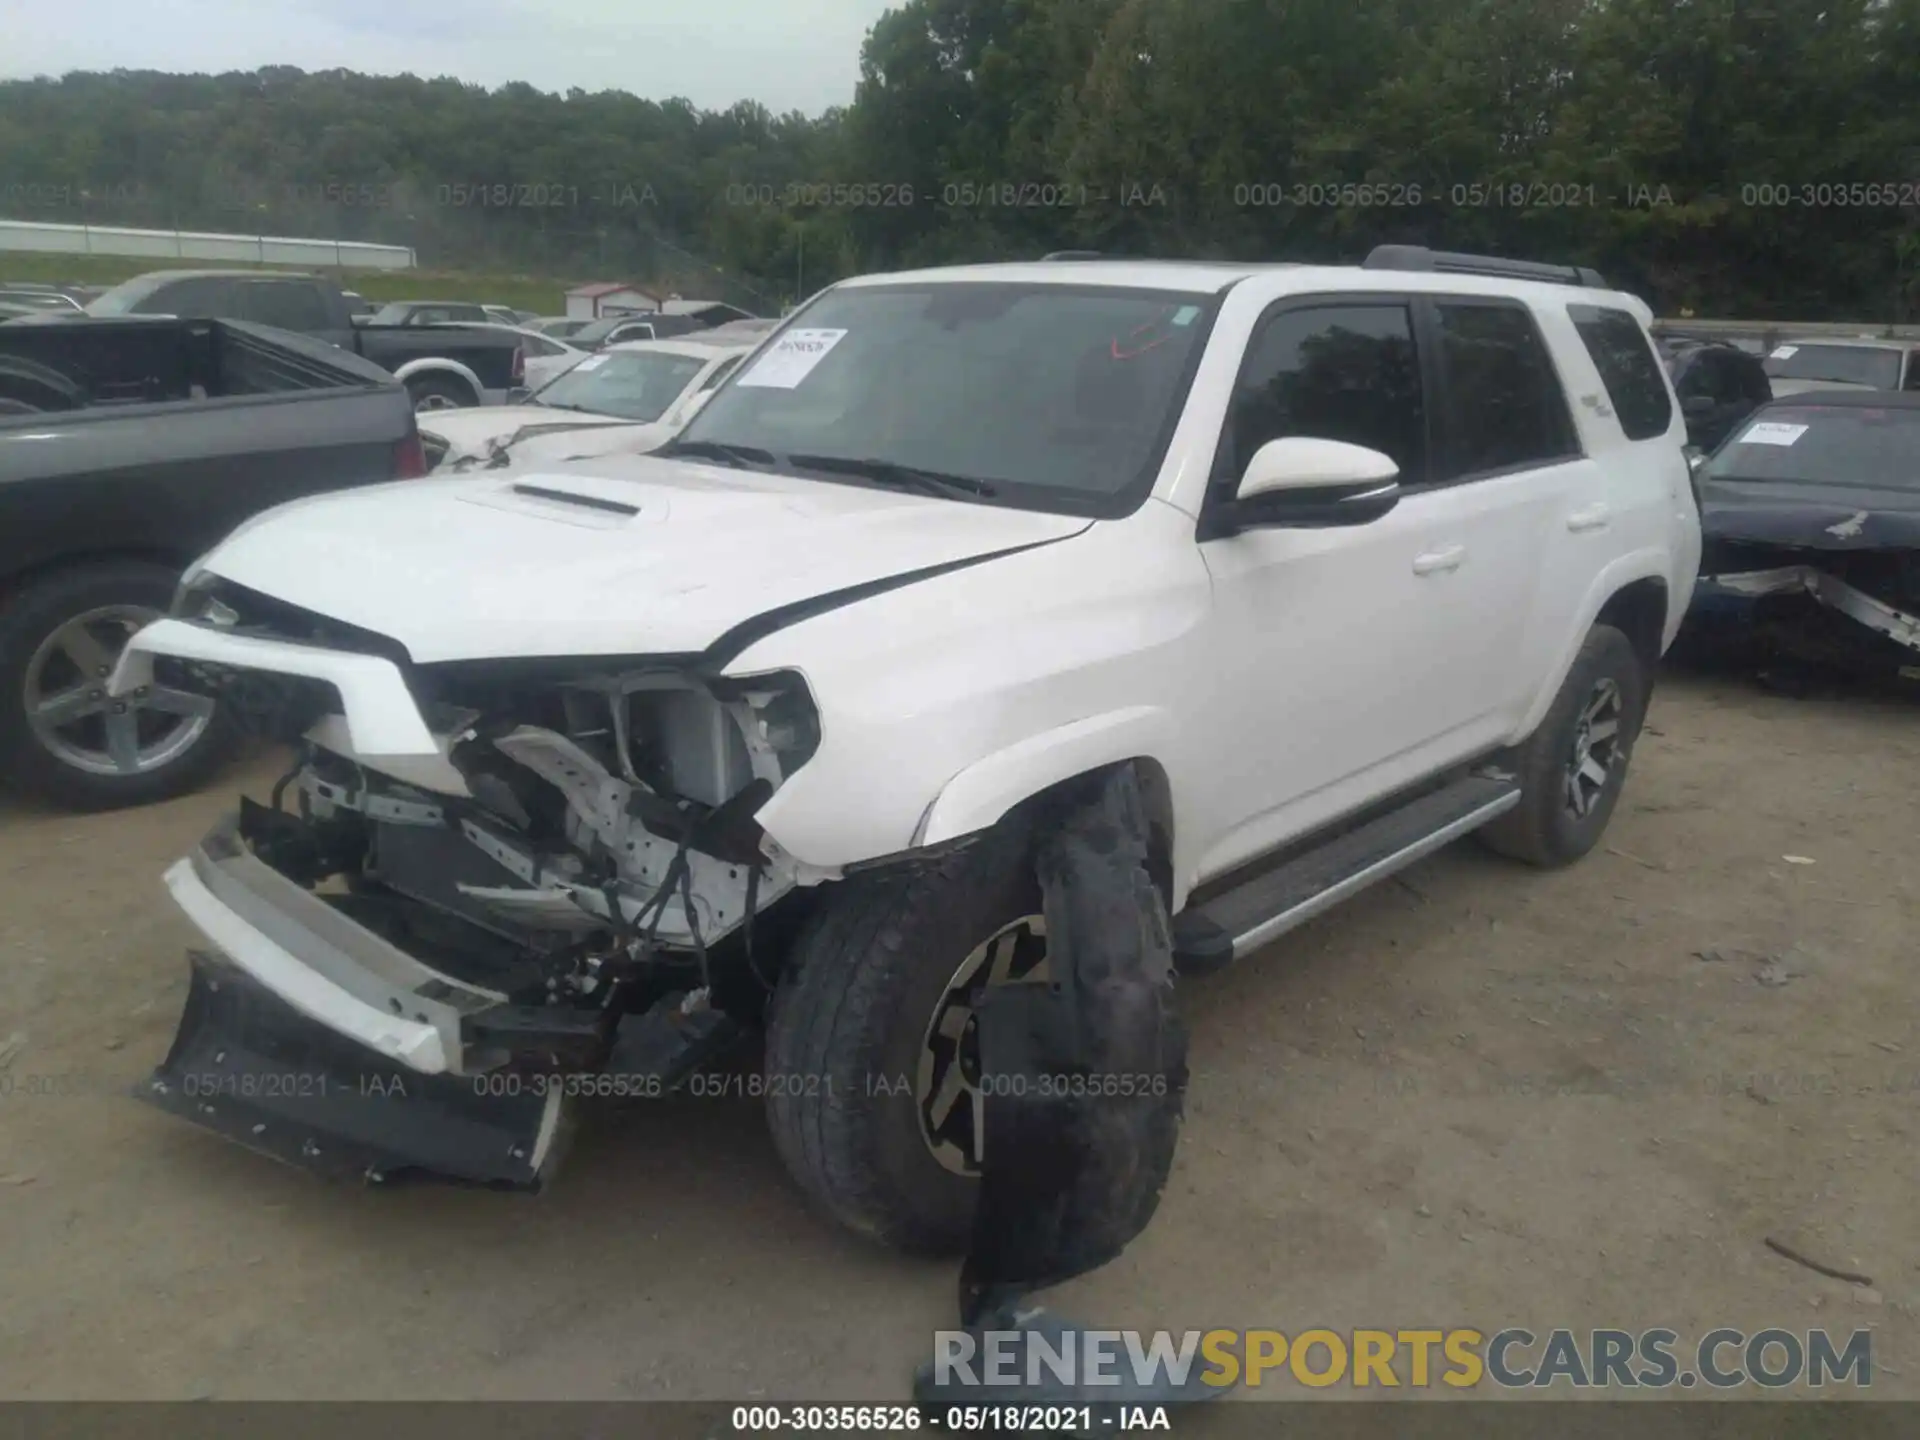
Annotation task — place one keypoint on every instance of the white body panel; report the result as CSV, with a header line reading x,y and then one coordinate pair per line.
x,y
471,568
1274,679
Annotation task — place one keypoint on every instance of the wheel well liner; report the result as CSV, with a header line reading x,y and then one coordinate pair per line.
x,y
15,581
1156,791
1639,611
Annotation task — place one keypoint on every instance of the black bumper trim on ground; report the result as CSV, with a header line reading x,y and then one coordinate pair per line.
x,y
249,1067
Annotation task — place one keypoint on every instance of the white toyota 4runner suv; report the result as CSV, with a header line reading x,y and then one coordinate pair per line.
x,y
606,766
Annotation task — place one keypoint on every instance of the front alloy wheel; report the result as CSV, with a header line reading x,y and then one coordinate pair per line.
x,y
947,1083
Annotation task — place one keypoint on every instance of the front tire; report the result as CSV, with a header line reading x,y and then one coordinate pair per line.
x,y
862,1112
1573,766
62,738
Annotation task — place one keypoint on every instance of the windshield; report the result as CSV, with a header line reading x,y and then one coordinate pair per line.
x,y
1853,445
1053,396
635,385
1850,364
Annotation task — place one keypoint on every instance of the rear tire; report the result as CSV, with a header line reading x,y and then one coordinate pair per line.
x,y
35,666
432,392
854,1010
1572,767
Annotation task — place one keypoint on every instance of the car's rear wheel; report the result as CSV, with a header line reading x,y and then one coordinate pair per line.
x,y
62,737
434,393
1573,766
872,1066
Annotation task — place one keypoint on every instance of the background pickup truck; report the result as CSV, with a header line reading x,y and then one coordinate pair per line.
x,y
127,448
443,366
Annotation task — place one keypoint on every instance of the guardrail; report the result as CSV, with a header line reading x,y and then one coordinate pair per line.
x,y
1772,332
42,237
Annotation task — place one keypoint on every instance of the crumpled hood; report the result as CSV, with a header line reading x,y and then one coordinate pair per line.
x,y
1811,517
470,432
558,447
648,556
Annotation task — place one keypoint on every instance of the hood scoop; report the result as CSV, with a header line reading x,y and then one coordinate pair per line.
x,y
567,497
577,500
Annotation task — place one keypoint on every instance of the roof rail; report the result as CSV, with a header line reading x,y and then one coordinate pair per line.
x,y
1419,257
1073,255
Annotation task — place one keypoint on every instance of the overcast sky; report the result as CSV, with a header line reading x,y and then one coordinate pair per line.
x,y
787,54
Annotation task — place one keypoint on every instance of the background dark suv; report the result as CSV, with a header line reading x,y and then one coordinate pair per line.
x,y
1719,385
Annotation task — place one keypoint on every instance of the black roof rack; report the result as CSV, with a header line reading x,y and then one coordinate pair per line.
x,y
1418,257
1074,255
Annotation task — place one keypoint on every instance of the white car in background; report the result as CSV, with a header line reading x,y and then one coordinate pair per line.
x,y
644,390
1838,363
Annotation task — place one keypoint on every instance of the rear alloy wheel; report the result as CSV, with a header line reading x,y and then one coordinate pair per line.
x,y
1595,749
62,736
1572,767
432,394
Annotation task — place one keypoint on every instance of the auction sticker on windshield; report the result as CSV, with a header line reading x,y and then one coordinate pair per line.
x,y
792,359
1772,432
592,362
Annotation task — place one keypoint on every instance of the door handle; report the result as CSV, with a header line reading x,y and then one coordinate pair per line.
x,y
1594,517
1448,557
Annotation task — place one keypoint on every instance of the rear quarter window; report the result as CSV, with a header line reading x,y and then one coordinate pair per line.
x,y
1623,354
1504,406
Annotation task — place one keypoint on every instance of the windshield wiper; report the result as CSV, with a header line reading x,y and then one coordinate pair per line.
x,y
901,477
741,457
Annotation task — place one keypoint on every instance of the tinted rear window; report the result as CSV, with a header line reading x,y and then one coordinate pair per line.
x,y
1504,406
1623,354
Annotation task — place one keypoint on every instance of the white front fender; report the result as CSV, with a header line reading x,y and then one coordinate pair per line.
x,y
986,790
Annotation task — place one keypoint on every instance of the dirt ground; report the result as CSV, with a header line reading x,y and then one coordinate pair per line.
x,y
1484,1096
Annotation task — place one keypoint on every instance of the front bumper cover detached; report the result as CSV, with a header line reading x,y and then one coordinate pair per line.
x,y
308,1038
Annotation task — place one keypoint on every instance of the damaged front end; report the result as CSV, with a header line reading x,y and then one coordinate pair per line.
x,y
1811,527
414,961
1820,609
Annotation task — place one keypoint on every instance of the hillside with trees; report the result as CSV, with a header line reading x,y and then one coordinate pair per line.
x,y
1741,157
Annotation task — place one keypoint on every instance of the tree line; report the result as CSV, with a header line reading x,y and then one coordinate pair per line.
x,y
1752,158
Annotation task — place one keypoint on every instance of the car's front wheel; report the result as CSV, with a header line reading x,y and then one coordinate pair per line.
x,y
62,737
872,1068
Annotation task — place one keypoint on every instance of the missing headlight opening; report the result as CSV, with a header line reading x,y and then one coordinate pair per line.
x,y
615,808
599,877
